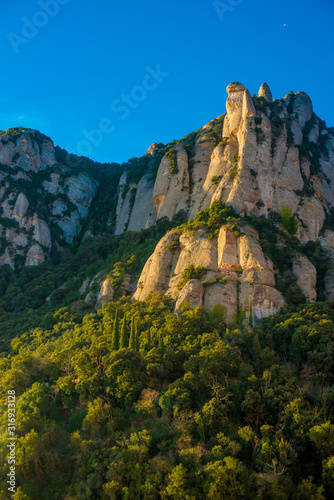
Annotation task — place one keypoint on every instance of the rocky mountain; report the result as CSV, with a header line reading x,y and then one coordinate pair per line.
x,y
43,204
273,157
270,161
267,155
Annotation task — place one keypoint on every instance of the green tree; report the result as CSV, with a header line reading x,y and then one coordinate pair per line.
x,y
124,341
148,340
250,314
133,340
115,333
288,220
161,347
322,437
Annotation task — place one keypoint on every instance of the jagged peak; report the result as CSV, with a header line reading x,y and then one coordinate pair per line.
x,y
265,92
235,87
152,149
16,132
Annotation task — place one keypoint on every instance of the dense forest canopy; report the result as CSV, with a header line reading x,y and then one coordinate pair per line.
x,y
135,402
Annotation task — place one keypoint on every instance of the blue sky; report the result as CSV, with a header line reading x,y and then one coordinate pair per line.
x,y
138,72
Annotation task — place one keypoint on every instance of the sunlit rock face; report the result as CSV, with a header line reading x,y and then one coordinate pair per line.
x,y
269,154
237,273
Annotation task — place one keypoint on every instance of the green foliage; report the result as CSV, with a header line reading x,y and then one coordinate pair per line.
x,y
289,222
172,156
215,179
216,131
13,133
191,273
115,333
124,340
133,335
234,169
236,158
175,245
260,103
214,217
23,293
222,281
260,136
199,411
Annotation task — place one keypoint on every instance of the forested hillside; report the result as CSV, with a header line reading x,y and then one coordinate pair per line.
x,y
167,325
136,402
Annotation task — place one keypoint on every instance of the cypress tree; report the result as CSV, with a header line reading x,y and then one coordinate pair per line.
x,y
250,314
161,347
149,340
124,341
133,343
115,333
137,342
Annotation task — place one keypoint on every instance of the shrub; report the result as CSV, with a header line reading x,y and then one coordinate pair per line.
x,y
191,273
236,158
260,137
288,221
215,179
233,172
173,161
213,282
175,245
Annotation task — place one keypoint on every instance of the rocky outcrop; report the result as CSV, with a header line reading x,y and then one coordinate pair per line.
x,y
49,209
143,213
171,190
236,272
306,275
35,255
327,243
157,270
265,92
106,293
191,295
261,162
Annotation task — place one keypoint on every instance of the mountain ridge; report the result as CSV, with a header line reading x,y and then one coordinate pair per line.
x,y
271,159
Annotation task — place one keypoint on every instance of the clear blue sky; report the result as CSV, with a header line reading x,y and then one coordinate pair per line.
x,y
63,76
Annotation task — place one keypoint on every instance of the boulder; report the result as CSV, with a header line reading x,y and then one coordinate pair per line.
x,y
306,275
192,294
106,293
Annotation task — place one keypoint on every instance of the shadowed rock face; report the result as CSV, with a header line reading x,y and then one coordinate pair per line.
x,y
36,200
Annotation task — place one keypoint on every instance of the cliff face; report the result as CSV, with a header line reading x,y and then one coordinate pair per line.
x,y
42,203
234,272
269,155
263,157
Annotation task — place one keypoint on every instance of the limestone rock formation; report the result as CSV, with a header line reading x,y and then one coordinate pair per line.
x,y
191,294
236,272
265,92
270,154
42,202
106,293
306,275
